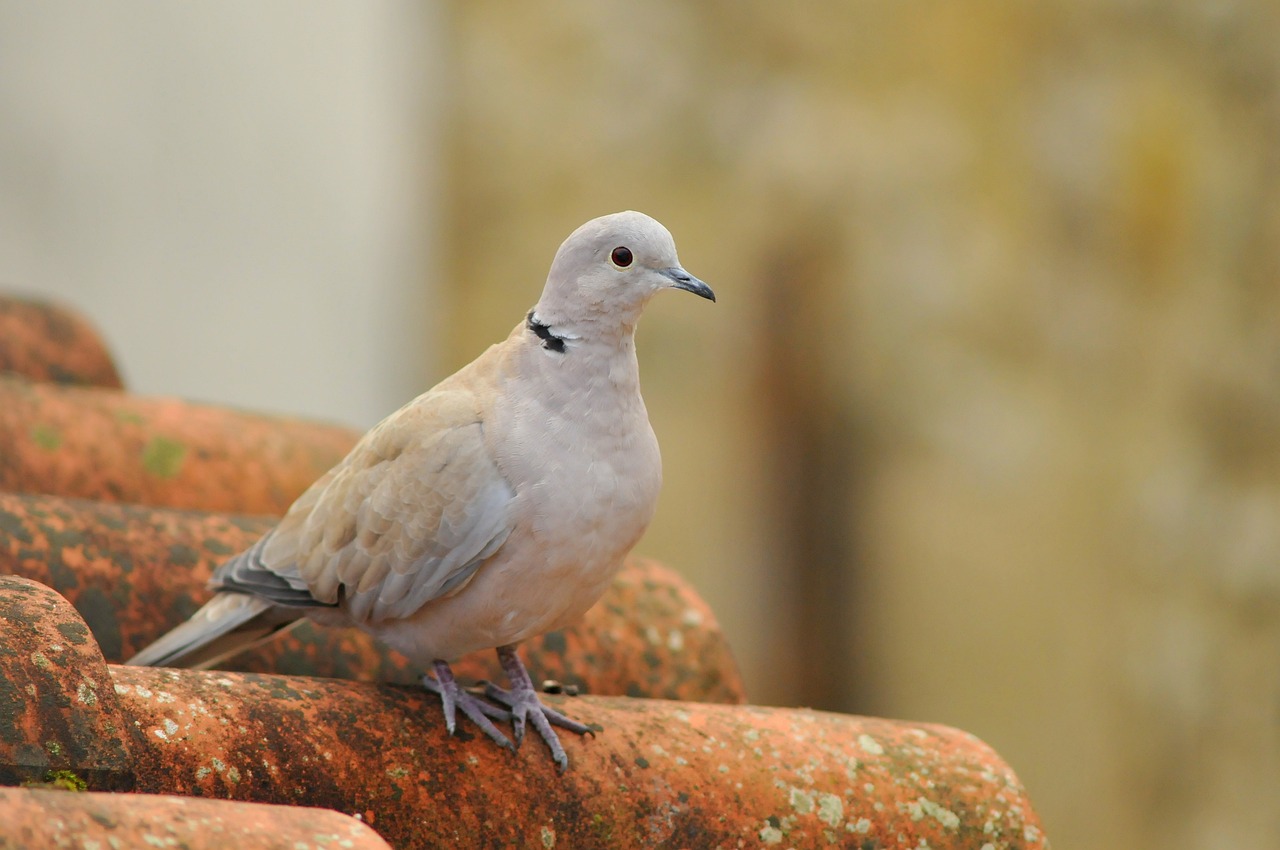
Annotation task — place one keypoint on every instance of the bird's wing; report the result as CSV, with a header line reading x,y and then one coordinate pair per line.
x,y
407,517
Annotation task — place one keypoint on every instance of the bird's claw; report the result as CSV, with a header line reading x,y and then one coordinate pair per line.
x,y
454,698
526,708
523,707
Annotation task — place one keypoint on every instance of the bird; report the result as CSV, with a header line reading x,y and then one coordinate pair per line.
x,y
493,508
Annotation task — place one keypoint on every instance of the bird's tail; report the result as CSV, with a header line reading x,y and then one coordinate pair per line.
x,y
227,625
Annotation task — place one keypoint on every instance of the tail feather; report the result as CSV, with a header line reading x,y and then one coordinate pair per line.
x,y
227,625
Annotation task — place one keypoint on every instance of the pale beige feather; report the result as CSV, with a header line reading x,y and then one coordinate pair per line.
x,y
408,514
498,504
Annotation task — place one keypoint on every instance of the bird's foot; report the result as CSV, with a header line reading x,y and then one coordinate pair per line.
x,y
454,698
522,700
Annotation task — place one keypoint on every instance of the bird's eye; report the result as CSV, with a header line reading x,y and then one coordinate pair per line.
x,y
621,257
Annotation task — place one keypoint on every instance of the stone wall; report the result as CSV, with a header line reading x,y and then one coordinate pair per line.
x,y
985,426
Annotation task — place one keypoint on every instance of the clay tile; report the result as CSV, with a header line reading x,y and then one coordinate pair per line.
x,y
43,341
58,710
659,773
94,443
34,818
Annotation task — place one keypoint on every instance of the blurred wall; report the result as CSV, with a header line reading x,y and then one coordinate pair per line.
x,y
239,194
985,426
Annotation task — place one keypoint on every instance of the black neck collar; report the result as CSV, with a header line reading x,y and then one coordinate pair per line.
x,y
550,341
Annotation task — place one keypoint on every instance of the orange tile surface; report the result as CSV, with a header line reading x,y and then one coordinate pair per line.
x,y
103,444
51,342
34,818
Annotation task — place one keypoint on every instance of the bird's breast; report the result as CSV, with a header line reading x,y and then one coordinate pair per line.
x,y
596,495
587,471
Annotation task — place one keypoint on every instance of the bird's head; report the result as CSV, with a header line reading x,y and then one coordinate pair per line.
x,y
607,270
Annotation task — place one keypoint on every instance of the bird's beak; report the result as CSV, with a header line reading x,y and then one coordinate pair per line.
x,y
681,279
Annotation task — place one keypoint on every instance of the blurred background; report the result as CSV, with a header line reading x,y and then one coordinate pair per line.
x,y
985,427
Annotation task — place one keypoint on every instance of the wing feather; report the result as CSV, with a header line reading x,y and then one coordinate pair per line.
x,y
407,517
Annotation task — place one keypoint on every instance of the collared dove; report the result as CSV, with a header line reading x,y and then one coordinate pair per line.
x,y
493,508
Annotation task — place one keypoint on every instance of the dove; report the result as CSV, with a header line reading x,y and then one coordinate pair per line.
x,y
493,508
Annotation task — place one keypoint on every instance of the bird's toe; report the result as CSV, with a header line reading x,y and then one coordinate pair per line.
x,y
453,699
